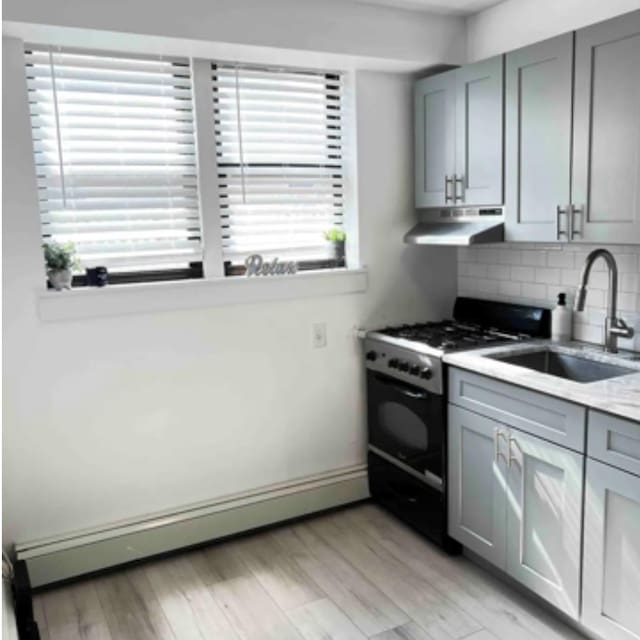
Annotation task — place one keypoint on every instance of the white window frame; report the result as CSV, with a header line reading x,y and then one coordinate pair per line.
x,y
214,289
206,158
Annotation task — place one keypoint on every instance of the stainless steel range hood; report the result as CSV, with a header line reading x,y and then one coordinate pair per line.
x,y
459,226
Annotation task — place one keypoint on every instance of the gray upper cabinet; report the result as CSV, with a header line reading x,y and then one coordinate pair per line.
x,y
479,127
538,83
459,136
606,160
435,99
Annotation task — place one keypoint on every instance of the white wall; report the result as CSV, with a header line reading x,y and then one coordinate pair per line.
x,y
347,28
113,418
534,273
516,23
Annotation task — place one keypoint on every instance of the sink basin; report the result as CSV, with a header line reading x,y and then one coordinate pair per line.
x,y
563,365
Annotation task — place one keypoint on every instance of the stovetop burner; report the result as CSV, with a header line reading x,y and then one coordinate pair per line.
x,y
449,335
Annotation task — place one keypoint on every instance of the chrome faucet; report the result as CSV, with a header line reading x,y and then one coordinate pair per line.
x,y
614,327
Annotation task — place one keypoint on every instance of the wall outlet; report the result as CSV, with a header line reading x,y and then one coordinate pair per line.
x,y
319,337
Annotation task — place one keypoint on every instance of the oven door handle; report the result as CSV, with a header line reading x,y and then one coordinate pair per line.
x,y
405,391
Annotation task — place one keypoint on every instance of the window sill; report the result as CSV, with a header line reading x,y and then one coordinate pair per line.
x,y
154,297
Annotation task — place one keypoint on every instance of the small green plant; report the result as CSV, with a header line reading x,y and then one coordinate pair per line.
x,y
335,235
60,257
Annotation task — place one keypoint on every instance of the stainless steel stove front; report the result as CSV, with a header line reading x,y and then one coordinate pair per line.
x,y
418,368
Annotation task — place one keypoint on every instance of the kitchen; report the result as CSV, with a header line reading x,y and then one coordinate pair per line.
x,y
141,419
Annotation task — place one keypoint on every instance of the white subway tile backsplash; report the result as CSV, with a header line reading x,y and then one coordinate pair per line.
x,y
536,292
508,288
522,274
547,275
473,269
627,262
536,273
498,272
627,301
510,257
629,281
570,277
488,255
599,280
534,258
561,259
596,297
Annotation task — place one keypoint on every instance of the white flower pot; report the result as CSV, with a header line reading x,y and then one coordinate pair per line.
x,y
60,278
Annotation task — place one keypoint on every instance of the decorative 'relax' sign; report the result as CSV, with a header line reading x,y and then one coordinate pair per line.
x,y
257,266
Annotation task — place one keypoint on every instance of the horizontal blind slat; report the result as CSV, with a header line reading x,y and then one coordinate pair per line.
x,y
115,156
279,149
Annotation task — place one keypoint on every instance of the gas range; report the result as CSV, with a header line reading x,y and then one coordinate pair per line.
x,y
413,352
407,405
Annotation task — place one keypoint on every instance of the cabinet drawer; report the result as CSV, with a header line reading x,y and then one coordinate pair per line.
x,y
536,413
614,440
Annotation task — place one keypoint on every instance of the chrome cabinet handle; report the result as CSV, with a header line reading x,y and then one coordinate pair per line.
x,y
574,212
497,434
560,211
448,181
457,179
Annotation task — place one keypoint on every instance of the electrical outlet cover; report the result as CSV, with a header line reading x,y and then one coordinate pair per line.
x,y
319,335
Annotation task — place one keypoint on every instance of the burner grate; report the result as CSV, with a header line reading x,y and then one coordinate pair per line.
x,y
449,335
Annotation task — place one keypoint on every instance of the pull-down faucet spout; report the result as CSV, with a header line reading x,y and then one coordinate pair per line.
x,y
614,327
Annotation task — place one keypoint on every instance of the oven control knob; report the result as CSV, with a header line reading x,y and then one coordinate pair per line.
x,y
393,363
403,366
371,355
426,373
415,370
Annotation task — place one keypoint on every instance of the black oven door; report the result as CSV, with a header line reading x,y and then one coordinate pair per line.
x,y
406,424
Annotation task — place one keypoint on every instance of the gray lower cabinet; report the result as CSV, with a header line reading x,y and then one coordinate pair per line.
x,y
516,500
544,519
477,477
606,147
538,87
611,567
459,136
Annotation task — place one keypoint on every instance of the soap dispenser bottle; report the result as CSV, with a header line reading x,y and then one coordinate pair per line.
x,y
561,320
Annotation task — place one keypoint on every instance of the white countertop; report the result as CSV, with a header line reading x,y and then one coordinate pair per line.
x,y
619,396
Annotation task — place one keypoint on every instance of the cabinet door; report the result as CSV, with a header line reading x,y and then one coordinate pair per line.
x,y
434,145
544,519
538,88
611,581
479,126
477,475
606,162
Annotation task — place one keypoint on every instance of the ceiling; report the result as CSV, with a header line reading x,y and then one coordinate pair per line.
x,y
452,7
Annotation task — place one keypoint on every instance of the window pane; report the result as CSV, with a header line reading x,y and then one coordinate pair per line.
x,y
115,157
279,153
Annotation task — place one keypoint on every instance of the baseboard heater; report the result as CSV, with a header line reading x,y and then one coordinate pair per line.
x,y
66,556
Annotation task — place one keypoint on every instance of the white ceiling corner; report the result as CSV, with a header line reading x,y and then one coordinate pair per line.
x,y
451,7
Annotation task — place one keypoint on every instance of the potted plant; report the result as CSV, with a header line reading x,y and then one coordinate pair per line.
x,y
336,237
60,260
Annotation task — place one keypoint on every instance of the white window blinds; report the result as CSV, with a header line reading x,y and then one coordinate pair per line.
x,y
115,157
279,154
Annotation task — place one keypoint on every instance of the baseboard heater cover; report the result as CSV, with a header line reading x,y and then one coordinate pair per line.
x,y
56,559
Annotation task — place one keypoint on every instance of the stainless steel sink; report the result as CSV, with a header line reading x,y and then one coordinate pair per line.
x,y
563,365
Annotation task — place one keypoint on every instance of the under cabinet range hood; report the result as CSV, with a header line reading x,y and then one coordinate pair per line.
x,y
459,226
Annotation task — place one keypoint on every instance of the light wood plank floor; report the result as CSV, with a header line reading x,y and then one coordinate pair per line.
x,y
350,575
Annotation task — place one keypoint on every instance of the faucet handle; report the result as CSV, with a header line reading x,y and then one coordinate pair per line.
x,y
620,328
